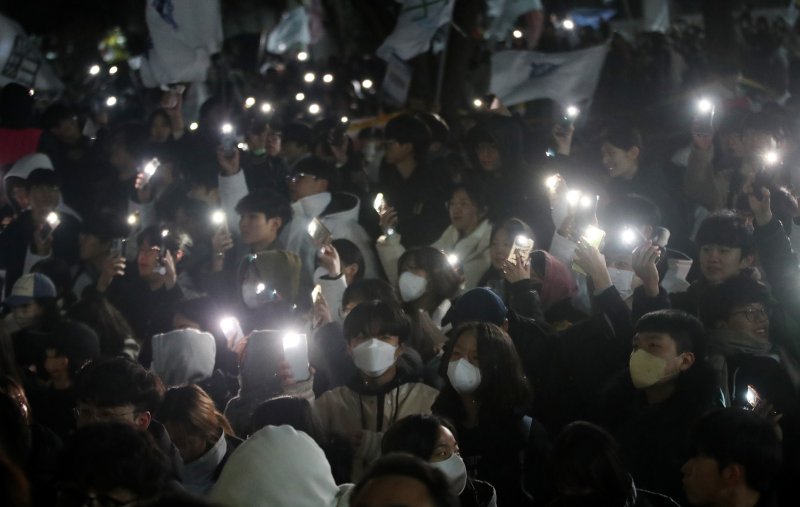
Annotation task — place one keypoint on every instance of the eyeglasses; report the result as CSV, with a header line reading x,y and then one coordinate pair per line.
x,y
754,313
294,178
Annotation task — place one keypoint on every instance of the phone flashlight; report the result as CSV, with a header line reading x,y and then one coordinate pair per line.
x,y
752,396
231,329
150,170
552,182
573,197
53,219
594,235
111,101
771,157
266,107
705,106
478,103
249,102
628,236
378,203
133,219
316,293
453,260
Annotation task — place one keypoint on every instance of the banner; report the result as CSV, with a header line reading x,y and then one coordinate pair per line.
x,y
396,82
184,34
503,15
291,32
21,62
418,22
568,78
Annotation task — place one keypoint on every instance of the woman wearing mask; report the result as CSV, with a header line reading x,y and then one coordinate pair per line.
x,y
465,241
433,439
380,394
486,395
427,284
201,434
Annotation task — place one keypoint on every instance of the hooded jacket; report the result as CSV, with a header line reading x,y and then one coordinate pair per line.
x,y
183,356
278,466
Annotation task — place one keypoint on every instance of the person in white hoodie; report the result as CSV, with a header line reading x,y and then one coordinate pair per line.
x,y
465,241
312,185
278,466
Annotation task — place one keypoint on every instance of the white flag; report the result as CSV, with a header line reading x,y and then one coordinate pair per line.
x,y
568,78
418,22
504,13
292,31
184,33
22,62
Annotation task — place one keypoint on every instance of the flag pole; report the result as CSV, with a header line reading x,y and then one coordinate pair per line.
x,y
442,63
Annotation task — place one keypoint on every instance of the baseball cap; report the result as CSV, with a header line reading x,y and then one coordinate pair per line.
x,y
29,288
477,305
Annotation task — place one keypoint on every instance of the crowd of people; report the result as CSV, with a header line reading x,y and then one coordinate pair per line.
x,y
484,310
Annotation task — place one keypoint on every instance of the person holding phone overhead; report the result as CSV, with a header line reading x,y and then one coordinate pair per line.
x,y
380,394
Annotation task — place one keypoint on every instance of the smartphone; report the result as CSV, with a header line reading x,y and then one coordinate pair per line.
x,y
523,246
232,330
118,247
161,269
228,141
316,293
50,223
295,352
150,169
586,211
594,236
319,233
219,220
379,203
752,396
703,121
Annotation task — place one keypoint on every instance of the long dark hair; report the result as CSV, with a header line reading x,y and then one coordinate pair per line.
x,y
504,390
443,281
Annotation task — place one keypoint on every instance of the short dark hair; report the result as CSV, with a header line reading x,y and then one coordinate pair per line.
x,y
42,178
409,466
266,201
370,289
56,113
476,193
408,128
415,434
726,228
349,253
732,435
298,133
118,381
719,300
376,318
686,330
623,135
108,456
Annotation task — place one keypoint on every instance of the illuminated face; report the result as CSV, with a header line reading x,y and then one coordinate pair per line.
x,y
256,230
500,247
752,319
304,185
446,446
719,263
147,259
620,163
464,214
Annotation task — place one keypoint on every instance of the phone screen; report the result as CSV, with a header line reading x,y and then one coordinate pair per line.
x,y
295,352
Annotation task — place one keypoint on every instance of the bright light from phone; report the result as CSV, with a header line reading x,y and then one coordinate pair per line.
x,y
523,241
628,236
266,107
704,106
366,84
111,101
309,77
552,182
302,56
52,219
517,34
752,396
586,201
378,202
193,125
31,92
260,288
314,109
312,228
771,157
165,233
452,259
573,111
291,340
344,119
249,102
228,325
151,167
300,97
573,197
478,103
327,78
132,219
227,128
593,235
112,70
94,70
568,24
218,217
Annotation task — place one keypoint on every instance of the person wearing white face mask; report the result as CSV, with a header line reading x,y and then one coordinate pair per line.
x,y
432,438
668,386
381,393
486,395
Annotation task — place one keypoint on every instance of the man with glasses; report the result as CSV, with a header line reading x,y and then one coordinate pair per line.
x,y
747,348
120,391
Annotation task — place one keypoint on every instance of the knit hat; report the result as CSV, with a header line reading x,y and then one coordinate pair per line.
x,y
479,304
29,288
